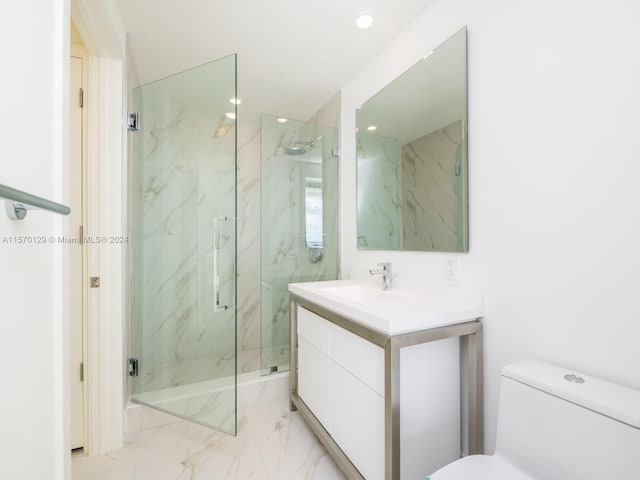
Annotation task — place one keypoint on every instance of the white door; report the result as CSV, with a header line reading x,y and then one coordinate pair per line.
x,y
75,253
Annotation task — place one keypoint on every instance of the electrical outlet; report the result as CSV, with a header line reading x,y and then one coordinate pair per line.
x,y
451,269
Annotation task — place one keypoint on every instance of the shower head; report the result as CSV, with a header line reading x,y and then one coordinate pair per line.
x,y
294,150
298,148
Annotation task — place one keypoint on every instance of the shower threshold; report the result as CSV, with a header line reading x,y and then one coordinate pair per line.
x,y
211,403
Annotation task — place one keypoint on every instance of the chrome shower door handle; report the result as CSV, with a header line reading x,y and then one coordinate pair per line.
x,y
216,264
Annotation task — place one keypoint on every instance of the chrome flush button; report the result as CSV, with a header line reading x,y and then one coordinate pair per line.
x,y
574,378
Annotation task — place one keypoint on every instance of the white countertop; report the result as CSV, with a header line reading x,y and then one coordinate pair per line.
x,y
395,311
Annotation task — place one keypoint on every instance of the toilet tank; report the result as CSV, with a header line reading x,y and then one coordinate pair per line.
x,y
556,428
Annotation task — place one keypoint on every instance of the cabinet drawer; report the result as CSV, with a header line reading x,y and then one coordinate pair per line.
x,y
358,356
314,381
314,329
357,421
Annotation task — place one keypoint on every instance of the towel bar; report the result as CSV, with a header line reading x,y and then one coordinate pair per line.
x,y
18,202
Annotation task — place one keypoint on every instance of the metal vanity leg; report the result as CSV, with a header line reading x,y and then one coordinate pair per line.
x,y
392,411
475,391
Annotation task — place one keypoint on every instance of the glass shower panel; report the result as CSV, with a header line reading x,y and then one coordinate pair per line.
x,y
299,222
183,245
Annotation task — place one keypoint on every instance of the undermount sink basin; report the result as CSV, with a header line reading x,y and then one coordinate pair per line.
x,y
393,311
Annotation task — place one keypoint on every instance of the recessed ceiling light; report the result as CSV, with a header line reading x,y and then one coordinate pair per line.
x,y
371,128
364,20
236,101
230,115
282,120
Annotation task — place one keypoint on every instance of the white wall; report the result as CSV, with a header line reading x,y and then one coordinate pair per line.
x,y
553,150
33,329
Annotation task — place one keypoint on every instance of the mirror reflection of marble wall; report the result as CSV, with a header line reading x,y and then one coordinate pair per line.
x,y
379,215
430,189
412,157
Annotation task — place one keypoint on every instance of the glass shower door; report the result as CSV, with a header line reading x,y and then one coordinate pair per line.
x,y
182,210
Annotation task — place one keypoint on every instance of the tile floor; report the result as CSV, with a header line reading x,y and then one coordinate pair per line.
x,y
272,444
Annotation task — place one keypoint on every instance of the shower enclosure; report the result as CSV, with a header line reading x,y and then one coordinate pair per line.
x,y
299,170
182,210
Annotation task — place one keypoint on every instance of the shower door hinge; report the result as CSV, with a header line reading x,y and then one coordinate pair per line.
x,y
133,367
458,169
134,122
81,98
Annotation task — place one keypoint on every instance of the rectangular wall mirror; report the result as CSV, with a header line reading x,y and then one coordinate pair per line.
x,y
412,157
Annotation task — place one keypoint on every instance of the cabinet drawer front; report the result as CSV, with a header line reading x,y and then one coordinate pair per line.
x,y
314,381
357,416
314,329
360,357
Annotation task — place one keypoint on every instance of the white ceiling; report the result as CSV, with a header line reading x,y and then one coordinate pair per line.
x,y
293,55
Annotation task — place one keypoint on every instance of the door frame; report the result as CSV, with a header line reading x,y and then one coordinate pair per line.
x,y
100,28
79,51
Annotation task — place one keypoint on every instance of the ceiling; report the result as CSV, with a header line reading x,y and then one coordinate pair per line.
x,y
293,55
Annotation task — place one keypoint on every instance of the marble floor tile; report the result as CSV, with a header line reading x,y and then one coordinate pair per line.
x,y
272,444
289,448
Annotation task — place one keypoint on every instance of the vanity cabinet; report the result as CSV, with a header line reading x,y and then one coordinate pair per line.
x,y
314,365
341,380
386,407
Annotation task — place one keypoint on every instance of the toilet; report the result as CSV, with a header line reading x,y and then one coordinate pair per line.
x,y
556,424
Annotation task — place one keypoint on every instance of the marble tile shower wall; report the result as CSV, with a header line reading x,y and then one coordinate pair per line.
x,y
281,223
285,254
249,285
328,267
186,179
379,195
249,254
430,190
148,189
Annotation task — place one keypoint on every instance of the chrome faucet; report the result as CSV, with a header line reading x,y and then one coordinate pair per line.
x,y
385,271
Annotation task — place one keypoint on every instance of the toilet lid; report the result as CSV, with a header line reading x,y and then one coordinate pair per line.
x,y
480,467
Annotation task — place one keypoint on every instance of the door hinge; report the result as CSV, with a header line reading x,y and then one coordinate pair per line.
x,y
133,367
134,122
81,234
95,282
81,98
82,372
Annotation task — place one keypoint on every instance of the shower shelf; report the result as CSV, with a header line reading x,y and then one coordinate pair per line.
x,y
18,202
